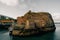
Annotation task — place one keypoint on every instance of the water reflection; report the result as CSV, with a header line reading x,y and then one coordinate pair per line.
x,y
48,36
4,35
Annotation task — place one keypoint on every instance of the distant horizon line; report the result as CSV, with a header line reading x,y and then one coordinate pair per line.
x,y
57,22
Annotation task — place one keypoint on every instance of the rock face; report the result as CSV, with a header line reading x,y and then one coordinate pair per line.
x,y
40,20
35,22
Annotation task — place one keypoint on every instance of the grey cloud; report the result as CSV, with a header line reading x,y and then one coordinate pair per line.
x,y
22,6
10,2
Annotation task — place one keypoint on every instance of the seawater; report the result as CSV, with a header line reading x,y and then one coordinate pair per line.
x,y
48,36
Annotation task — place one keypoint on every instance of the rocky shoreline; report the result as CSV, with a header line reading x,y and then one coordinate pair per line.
x,y
34,32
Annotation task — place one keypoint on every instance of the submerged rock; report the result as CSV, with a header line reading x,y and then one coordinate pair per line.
x,y
34,23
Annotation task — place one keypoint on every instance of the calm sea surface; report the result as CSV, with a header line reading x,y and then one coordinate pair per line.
x,y
4,35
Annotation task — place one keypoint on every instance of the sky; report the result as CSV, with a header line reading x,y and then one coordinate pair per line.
x,y
15,8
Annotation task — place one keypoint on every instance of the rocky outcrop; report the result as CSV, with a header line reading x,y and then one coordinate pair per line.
x,y
40,20
36,22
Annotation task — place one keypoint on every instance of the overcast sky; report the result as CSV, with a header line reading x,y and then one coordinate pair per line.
x,y
15,8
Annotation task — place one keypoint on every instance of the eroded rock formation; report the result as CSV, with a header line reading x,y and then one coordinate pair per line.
x,y
35,22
